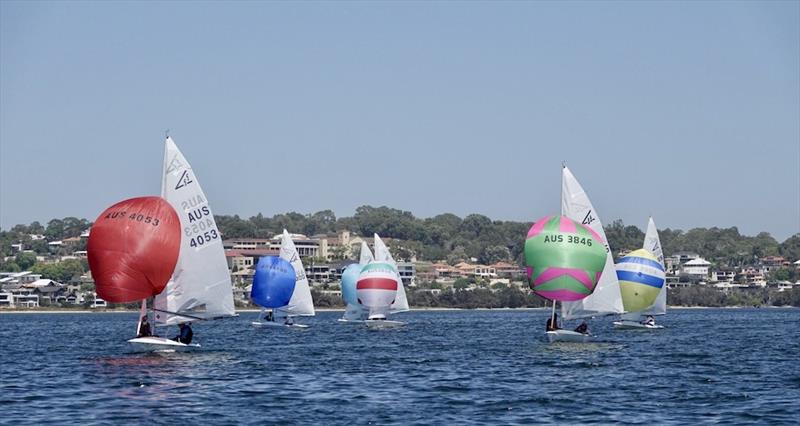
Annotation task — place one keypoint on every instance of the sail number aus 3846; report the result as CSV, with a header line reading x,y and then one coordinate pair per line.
x,y
571,239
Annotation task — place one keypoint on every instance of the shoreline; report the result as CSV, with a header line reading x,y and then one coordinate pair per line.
x,y
439,309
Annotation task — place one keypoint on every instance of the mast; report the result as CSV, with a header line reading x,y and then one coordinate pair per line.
x,y
563,165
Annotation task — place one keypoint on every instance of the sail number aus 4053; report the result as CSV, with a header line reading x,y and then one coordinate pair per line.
x,y
201,232
206,237
133,216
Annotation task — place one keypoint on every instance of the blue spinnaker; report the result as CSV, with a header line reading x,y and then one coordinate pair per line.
x,y
273,283
349,279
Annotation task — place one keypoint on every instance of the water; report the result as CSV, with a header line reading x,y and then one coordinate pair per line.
x,y
455,367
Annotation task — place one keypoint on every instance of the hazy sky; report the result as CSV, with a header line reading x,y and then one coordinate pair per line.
x,y
689,111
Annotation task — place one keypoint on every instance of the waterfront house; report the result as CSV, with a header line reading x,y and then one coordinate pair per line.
x,y
696,268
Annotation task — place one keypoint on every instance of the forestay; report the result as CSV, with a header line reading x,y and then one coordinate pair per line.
x,y
201,284
606,298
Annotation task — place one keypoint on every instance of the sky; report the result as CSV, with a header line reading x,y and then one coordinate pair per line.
x,y
687,111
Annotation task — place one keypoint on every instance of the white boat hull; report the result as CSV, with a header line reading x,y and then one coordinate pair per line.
x,y
351,322
383,324
161,344
568,336
635,325
277,324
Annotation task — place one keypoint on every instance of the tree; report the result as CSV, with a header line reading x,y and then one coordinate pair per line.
x,y
474,225
61,271
55,230
457,255
40,247
36,228
461,284
10,267
25,260
494,254
791,247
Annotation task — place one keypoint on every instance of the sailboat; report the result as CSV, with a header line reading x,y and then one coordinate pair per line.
x,y
200,287
375,287
133,250
606,298
300,302
354,313
633,320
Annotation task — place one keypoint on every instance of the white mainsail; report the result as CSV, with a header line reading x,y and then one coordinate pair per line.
x,y
382,255
201,284
366,255
653,244
606,298
301,302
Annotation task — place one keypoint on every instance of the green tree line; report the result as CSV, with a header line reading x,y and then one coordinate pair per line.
x,y
442,237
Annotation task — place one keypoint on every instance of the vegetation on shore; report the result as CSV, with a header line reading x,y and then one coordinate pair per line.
x,y
444,237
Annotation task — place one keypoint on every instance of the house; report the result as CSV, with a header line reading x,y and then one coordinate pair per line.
x,y
98,302
24,277
674,263
723,275
320,273
443,270
246,243
508,270
244,259
306,247
341,245
773,263
6,299
467,269
696,268
22,297
49,291
408,273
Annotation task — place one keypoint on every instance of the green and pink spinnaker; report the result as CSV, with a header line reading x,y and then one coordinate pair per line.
x,y
564,258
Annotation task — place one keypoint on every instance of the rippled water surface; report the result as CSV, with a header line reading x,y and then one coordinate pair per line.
x,y
452,367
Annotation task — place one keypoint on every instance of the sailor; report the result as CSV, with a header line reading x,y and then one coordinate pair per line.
x,y
270,317
583,328
552,323
289,321
649,321
144,328
185,335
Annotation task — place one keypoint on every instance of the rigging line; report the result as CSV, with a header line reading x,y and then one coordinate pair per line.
x,y
181,315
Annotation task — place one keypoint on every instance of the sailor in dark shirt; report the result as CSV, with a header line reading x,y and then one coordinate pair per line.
x,y
144,328
583,328
185,335
552,323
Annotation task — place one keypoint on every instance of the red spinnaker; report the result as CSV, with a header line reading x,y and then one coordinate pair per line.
x,y
133,248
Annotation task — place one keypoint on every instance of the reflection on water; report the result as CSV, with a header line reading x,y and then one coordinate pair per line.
x,y
442,367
